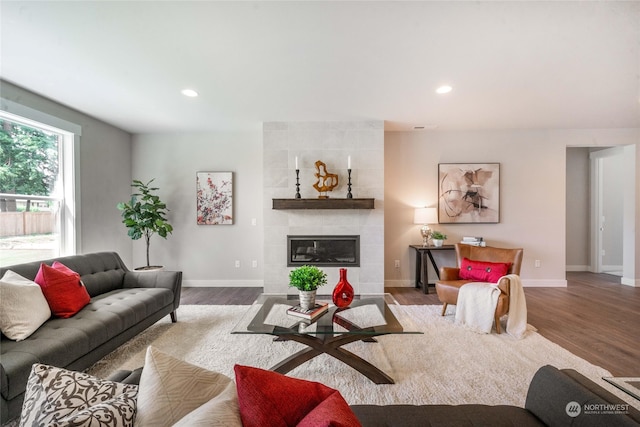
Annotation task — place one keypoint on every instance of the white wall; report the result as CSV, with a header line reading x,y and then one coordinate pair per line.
x,y
533,202
533,194
205,253
105,173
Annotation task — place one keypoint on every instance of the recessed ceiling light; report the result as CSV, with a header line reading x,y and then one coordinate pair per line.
x,y
189,92
444,89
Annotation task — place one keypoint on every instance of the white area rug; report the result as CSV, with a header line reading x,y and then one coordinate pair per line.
x,y
446,365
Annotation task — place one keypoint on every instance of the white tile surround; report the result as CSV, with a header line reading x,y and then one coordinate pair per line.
x,y
332,143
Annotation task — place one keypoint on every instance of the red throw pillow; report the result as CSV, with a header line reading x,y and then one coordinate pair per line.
x,y
483,271
62,288
267,398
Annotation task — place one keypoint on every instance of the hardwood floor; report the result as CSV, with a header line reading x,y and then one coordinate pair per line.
x,y
594,317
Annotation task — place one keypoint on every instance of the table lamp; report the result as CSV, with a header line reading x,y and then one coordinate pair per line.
x,y
425,216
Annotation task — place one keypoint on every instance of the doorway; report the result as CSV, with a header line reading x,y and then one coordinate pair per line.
x,y
607,219
599,210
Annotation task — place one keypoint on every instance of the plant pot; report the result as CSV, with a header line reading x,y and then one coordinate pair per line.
x,y
307,299
437,242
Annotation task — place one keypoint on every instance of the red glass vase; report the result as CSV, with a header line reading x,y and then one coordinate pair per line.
x,y
343,292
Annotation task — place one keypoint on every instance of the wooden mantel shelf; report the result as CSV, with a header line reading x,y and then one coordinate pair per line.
x,y
323,203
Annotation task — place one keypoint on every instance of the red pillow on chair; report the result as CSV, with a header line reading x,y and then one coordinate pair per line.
x,y
62,288
483,271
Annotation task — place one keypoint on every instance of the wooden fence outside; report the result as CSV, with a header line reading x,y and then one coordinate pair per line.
x,y
26,223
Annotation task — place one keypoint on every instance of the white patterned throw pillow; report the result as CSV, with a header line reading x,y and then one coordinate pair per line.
x,y
57,397
176,393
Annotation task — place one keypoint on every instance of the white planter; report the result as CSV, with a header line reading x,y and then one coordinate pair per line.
x,y
307,299
437,242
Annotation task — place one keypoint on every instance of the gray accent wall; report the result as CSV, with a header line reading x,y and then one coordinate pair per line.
x,y
578,209
206,254
104,173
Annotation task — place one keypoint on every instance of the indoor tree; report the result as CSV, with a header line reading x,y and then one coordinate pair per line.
x,y
145,214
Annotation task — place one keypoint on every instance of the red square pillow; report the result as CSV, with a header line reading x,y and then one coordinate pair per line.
x,y
62,289
483,271
267,398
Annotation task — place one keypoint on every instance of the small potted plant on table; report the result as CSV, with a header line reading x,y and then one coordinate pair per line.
x,y
307,279
438,238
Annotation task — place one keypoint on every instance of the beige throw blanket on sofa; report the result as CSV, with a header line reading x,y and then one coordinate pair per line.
x,y
477,305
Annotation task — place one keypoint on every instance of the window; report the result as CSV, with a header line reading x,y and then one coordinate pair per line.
x,y
37,190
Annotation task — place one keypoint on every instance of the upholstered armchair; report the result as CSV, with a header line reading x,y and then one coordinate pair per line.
x,y
450,281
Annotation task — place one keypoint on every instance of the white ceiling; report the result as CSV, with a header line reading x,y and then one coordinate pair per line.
x,y
513,65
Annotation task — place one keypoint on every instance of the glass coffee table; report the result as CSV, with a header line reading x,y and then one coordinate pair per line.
x,y
367,317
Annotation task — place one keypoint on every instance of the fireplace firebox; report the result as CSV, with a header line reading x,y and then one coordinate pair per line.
x,y
328,251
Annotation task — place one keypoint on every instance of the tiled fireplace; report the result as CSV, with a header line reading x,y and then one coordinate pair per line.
x,y
331,143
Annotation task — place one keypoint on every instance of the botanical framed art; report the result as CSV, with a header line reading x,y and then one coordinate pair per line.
x,y
214,198
468,193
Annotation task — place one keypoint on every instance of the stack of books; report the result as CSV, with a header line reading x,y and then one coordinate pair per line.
x,y
474,241
311,314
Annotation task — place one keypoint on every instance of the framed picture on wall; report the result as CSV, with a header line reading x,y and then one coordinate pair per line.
x,y
214,192
468,193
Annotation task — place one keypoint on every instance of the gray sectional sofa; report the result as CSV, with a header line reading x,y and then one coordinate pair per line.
x,y
123,303
556,397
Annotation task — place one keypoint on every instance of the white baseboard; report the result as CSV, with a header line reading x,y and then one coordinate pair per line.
x,y
630,282
223,283
544,283
578,268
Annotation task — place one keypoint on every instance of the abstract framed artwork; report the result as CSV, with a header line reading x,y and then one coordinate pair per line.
x,y
468,193
214,198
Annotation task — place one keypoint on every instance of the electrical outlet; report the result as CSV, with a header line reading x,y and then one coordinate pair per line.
x,y
397,263
237,263
254,221
254,263
537,263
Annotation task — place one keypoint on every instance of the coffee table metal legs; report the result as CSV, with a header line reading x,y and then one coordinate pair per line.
x,y
332,346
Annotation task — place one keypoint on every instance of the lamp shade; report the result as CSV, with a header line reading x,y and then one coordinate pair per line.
x,y
425,216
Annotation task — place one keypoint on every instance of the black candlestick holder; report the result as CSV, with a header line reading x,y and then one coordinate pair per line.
x,y
349,195
297,183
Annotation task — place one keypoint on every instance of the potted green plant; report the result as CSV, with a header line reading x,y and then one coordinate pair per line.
x,y
438,238
145,215
307,279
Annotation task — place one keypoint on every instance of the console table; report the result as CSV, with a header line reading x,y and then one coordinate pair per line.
x,y
422,271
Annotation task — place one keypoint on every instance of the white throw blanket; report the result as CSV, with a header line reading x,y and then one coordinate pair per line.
x,y
476,306
477,303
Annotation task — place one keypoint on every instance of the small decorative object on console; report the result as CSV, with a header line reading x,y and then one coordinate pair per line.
x,y
473,241
314,312
325,181
343,292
